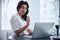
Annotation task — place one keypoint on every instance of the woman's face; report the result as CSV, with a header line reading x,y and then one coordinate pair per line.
x,y
23,9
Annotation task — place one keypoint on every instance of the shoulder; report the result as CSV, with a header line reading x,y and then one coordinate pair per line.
x,y
14,17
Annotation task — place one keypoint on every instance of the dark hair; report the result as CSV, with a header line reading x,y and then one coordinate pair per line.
x,y
19,6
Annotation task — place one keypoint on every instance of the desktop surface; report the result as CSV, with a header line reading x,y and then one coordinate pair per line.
x,y
40,39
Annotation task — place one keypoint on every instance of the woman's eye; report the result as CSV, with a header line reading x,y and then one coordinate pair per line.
x,y
23,7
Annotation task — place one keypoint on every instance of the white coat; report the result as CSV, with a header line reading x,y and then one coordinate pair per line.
x,y
16,23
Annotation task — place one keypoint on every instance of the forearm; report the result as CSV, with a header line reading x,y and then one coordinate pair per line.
x,y
20,30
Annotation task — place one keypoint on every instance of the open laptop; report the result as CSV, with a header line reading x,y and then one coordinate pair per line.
x,y
41,30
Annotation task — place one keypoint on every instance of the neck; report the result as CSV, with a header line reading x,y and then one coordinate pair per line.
x,y
20,15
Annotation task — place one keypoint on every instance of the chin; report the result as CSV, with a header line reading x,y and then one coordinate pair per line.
x,y
23,13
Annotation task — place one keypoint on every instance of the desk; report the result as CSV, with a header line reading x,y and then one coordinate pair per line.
x,y
44,38
41,39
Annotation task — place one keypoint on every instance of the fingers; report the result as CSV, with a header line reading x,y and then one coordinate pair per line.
x,y
28,19
29,30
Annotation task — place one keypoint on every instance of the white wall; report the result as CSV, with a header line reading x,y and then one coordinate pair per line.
x,y
0,14
34,11
59,10
36,14
59,7
0,19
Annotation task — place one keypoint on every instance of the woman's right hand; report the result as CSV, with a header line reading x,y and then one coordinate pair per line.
x,y
28,20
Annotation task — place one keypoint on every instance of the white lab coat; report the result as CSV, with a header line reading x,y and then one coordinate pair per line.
x,y
16,23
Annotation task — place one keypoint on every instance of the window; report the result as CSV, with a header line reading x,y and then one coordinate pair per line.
x,y
8,9
49,10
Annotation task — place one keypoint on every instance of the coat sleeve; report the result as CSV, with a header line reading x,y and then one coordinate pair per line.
x,y
14,24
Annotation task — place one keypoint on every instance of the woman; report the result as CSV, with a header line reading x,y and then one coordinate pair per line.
x,y
21,21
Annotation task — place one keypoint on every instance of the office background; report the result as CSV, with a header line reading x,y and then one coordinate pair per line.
x,y
39,11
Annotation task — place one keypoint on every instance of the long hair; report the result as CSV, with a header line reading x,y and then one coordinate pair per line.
x,y
19,6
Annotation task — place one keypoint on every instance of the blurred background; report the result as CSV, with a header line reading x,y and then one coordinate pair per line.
x,y
39,11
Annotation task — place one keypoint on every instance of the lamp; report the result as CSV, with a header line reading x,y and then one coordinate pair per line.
x,y
57,27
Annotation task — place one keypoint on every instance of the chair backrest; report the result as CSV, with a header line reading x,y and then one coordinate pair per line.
x,y
9,35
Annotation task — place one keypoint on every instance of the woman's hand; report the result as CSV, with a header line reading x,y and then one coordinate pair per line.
x,y
28,19
29,31
20,30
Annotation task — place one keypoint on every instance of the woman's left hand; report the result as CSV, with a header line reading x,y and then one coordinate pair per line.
x,y
29,31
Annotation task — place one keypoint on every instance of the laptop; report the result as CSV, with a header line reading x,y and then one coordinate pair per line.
x,y
41,30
